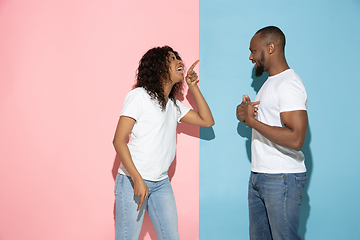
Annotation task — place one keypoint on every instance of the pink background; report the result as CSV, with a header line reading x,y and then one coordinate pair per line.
x,y
65,67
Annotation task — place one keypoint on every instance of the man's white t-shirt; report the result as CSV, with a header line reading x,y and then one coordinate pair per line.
x,y
152,141
283,92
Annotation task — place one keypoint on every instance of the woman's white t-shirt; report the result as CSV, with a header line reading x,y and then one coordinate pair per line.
x,y
152,141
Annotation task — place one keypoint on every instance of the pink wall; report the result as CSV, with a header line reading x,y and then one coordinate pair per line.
x,y
65,67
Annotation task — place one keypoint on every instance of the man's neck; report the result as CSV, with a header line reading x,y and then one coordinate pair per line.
x,y
278,67
277,71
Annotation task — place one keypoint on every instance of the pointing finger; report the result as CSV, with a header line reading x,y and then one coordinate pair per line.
x,y
193,65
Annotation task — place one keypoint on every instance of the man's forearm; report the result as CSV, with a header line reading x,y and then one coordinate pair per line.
x,y
282,136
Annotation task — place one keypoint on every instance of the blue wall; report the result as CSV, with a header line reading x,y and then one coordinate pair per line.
x,y
323,48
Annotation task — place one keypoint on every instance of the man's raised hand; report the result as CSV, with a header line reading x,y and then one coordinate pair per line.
x,y
246,107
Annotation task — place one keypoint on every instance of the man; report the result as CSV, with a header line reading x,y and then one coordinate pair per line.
x,y
279,122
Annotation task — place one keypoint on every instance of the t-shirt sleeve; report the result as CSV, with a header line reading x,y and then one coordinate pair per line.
x,y
133,104
183,110
292,96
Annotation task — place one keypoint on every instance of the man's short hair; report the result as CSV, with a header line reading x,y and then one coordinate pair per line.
x,y
272,34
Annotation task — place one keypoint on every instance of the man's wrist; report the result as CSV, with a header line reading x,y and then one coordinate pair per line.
x,y
250,121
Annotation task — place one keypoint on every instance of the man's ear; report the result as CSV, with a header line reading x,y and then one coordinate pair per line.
x,y
271,48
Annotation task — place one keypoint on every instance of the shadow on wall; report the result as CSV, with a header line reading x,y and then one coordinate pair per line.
x,y
245,132
182,128
242,129
305,202
205,133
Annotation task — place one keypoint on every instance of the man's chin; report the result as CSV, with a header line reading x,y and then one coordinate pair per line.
x,y
259,72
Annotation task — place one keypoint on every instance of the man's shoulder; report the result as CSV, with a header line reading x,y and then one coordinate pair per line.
x,y
289,77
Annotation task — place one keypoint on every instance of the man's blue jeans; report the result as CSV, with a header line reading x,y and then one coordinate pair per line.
x,y
274,205
160,206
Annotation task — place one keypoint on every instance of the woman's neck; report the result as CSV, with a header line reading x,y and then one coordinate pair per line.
x,y
167,90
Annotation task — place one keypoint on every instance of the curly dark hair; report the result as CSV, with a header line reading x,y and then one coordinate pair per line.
x,y
153,73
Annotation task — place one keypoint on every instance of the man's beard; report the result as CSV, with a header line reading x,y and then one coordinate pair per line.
x,y
260,66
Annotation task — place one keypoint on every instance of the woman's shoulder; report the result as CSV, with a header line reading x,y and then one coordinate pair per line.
x,y
139,91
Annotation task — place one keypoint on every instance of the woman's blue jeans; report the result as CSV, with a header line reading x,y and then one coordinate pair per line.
x,y
274,205
160,206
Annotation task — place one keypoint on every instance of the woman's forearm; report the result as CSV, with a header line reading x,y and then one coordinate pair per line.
x,y
123,153
203,108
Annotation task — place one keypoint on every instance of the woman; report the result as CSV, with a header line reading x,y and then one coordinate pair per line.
x,y
150,114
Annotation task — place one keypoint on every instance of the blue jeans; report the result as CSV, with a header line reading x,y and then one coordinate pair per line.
x,y
160,206
274,205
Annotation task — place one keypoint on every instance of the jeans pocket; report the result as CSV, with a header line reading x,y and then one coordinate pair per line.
x,y
274,176
118,183
300,182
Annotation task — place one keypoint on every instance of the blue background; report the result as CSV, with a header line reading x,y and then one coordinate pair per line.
x,y
323,48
